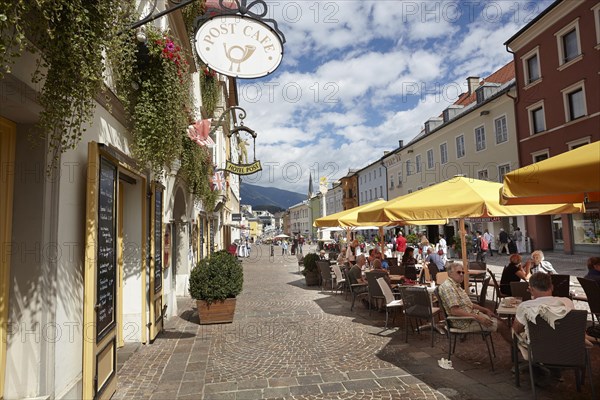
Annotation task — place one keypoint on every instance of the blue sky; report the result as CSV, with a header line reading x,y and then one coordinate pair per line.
x,y
358,76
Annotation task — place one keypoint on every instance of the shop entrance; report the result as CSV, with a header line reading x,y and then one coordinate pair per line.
x,y
115,295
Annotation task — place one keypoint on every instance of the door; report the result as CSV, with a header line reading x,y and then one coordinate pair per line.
x,y
156,265
7,158
100,277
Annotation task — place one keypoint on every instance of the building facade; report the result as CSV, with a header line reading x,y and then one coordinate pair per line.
x,y
372,183
94,251
557,106
350,190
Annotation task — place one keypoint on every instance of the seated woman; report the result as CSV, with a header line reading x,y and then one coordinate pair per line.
x,y
409,261
513,272
541,265
408,258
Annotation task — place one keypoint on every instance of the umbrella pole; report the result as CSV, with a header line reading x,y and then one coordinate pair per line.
x,y
463,248
382,242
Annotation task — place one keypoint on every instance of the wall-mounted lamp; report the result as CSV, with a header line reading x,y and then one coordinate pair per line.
x,y
484,112
141,35
409,151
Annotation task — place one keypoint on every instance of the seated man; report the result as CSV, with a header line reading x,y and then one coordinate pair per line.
x,y
542,303
434,257
456,302
593,264
355,276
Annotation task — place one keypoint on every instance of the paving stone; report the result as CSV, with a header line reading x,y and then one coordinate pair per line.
x,y
252,384
219,396
220,387
333,376
252,394
305,380
190,388
360,384
305,390
332,387
276,382
360,375
381,373
276,392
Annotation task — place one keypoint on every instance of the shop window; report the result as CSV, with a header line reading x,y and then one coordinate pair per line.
x,y
586,228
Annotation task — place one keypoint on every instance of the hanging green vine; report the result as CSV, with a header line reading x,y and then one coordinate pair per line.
x,y
70,36
155,86
196,169
209,88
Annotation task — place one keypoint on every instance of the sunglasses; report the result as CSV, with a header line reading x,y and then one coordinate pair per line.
x,y
460,272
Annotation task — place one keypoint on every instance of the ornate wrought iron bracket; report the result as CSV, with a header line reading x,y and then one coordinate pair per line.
x,y
151,17
241,8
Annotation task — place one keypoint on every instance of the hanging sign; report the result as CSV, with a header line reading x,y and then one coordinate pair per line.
x,y
239,46
245,169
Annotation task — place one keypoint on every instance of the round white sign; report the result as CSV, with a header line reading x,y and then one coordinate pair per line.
x,y
239,46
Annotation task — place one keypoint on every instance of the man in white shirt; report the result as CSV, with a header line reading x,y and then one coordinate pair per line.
x,y
489,238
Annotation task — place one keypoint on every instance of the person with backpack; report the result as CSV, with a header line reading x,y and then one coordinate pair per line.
x,y
489,238
481,247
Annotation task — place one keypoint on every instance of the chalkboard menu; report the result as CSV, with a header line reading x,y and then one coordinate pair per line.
x,y
106,258
157,240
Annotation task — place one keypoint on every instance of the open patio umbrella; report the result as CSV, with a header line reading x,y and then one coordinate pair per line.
x,y
461,198
571,177
348,219
281,236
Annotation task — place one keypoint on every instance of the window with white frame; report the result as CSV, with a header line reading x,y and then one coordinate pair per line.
x,y
482,174
399,178
596,10
540,155
480,138
537,118
460,146
381,191
430,159
567,40
574,101
392,182
408,168
443,153
578,143
503,170
418,162
500,129
531,66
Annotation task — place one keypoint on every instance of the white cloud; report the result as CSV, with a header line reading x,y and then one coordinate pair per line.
x,y
360,75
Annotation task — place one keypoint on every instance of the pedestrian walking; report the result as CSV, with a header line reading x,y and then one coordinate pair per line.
x,y
489,238
503,237
518,239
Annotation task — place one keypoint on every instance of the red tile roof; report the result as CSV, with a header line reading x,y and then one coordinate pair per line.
x,y
503,75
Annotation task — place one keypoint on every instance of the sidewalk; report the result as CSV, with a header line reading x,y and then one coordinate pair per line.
x,y
292,342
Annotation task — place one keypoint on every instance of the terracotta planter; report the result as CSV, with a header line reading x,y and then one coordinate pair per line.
x,y
218,312
312,278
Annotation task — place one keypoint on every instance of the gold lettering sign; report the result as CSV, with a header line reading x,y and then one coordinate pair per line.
x,y
243,169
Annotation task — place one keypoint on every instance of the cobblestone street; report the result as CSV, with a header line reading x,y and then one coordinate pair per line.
x,y
289,341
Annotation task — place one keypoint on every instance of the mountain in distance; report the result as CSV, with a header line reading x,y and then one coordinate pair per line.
x,y
258,196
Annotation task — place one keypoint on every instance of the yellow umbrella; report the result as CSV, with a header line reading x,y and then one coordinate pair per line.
x,y
347,219
571,177
458,197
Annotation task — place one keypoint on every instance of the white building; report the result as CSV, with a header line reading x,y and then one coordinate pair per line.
x,y
372,182
300,219
95,253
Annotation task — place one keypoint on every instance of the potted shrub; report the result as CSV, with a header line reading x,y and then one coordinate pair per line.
x,y
214,283
311,271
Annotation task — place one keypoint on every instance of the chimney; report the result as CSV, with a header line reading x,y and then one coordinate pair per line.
x,y
386,152
472,83
400,143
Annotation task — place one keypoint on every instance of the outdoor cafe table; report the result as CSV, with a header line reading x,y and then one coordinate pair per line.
x,y
508,307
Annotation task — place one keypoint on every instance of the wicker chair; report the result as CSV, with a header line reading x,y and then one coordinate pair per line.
x,y
453,331
520,289
561,285
375,292
417,304
356,289
326,278
572,352
592,292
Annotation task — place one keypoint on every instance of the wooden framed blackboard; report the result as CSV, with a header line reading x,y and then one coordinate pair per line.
x,y
157,239
106,256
